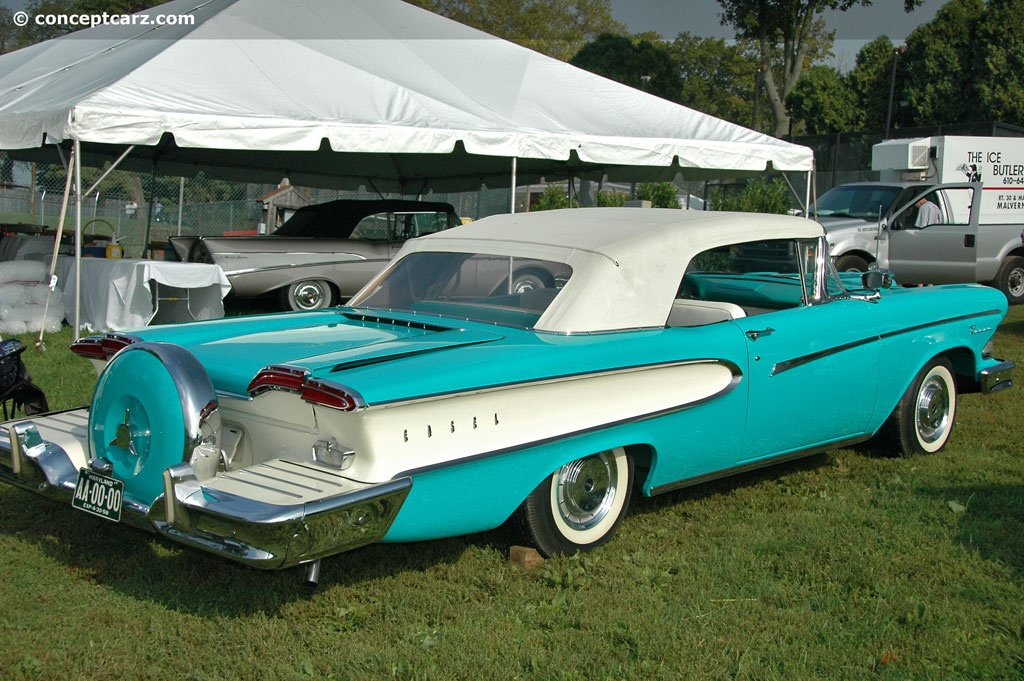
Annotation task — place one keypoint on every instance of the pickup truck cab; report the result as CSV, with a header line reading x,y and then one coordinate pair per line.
x,y
878,224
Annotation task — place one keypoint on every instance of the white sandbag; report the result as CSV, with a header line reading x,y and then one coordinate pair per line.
x,y
32,271
22,307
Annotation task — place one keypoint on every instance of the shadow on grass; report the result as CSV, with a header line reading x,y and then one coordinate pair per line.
x,y
1016,326
988,519
147,567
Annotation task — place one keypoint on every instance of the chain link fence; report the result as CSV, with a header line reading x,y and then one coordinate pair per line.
x,y
143,211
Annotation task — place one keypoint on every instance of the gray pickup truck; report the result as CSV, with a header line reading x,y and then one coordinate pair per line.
x,y
884,224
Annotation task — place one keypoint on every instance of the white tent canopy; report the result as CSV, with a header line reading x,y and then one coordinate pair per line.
x,y
348,93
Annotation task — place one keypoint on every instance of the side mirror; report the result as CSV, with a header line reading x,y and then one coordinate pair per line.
x,y
876,279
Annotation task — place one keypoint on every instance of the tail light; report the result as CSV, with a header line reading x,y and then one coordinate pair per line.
x,y
102,347
315,391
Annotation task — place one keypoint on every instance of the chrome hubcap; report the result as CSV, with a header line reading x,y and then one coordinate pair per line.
x,y
586,490
524,285
932,410
309,295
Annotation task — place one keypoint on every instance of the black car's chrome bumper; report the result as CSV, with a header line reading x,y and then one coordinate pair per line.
x,y
205,515
997,377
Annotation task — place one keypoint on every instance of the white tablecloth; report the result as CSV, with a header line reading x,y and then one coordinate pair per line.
x,y
118,294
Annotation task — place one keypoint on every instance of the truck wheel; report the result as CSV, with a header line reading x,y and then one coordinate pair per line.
x,y
1010,279
851,263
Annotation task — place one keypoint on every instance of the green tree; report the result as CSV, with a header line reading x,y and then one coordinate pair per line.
x,y
717,78
7,30
941,83
557,28
760,195
1000,69
554,197
660,194
871,79
787,36
822,101
611,199
639,63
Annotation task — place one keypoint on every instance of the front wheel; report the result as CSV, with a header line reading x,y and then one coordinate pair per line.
x,y
1010,279
851,263
923,420
308,295
580,506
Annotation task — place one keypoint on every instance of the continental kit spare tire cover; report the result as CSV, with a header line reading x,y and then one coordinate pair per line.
x,y
154,404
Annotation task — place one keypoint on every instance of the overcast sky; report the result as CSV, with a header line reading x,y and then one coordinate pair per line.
x,y
853,28
701,18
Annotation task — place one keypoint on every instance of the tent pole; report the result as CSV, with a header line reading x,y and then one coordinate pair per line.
x,y
810,176
149,213
113,166
514,166
52,283
181,201
77,160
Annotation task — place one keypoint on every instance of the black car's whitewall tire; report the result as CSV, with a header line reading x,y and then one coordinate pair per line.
x,y
923,420
312,294
580,506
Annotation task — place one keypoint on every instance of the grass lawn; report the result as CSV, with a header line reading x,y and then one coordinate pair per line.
x,y
845,565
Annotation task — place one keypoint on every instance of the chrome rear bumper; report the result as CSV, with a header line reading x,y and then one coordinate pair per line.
x,y
308,510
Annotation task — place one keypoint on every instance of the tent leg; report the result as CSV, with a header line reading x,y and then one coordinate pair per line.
x,y
514,166
78,237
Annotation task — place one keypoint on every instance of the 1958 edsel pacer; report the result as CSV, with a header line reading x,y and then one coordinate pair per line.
x,y
682,346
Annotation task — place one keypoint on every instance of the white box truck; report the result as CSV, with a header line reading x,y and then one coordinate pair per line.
x,y
973,231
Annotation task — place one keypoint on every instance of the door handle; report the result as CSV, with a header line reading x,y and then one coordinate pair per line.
x,y
754,335
968,241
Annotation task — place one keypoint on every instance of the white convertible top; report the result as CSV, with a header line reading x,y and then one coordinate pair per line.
x,y
627,262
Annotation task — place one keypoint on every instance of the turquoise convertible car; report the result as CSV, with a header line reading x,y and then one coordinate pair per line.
x,y
672,347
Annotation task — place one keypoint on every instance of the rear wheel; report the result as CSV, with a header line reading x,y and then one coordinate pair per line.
x,y
580,506
1010,279
923,420
308,295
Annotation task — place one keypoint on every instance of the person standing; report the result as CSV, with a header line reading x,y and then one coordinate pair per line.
x,y
927,213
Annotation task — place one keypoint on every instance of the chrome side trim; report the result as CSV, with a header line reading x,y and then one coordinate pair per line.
x,y
786,365
760,463
998,377
733,368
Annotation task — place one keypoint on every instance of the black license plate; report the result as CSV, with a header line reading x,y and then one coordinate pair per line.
x,y
98,494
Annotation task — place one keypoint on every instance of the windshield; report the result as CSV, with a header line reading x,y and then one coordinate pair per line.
x,y
499,289
868,202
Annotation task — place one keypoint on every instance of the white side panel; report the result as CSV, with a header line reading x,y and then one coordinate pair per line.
x,y
428,432
996,162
